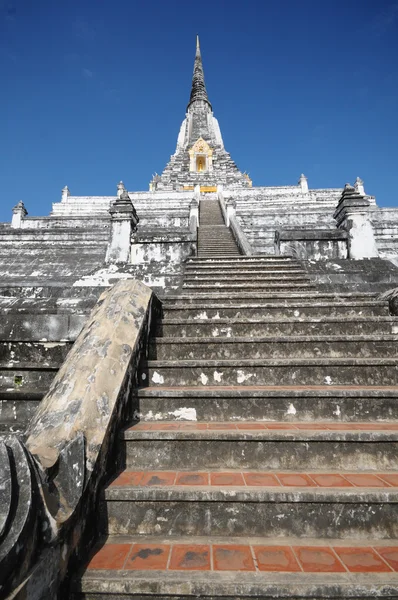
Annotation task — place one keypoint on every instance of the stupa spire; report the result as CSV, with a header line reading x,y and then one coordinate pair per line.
x,y
198,90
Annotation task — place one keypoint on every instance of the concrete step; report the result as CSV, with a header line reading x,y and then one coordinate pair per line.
x,y
243,272
222,310
261,327
258,285
28,380
287,297
246,260
243,278
319,446
341,406
16,409
20,354
286,371
136,567
154,505
278,347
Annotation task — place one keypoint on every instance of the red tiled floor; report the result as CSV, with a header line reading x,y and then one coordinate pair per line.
x,y
192,479
275,558
159,478
192,426
312,426
391,478
295,479
221,426
233,558
226,479
110,556
390,555
142,426
372,426
341,426
280,426
165,426
318,559
265,479
362,560
128,478
365,480
249,426
190,557
330,480
148,557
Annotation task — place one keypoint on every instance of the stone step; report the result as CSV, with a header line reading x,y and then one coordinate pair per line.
x,y
244,272
278,347
262,446
16,410
161,508
286,297
242,279
223,310
27,380
20,354
342,406
50,328
261,327
258,285
287,371
137,567
249,260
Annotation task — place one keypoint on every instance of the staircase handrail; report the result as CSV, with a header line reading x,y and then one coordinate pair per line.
x,y
232,222
51,483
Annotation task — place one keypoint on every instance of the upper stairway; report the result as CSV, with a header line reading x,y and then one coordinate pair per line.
x,y
214,237
261,461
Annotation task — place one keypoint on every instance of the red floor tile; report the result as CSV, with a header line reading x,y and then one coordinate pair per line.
x,y
391,478
159,478
233,558
365,480
110,556
249,426
280,426
330,480
148,557
295,479
372,426
165,426
318,559
390,555
226,479
341,426
192,479
142,426
221,426
190,557
192,426
127,478
312,426
264,479
362,560
275,558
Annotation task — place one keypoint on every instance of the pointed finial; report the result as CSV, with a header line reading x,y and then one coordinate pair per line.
x,y
198,90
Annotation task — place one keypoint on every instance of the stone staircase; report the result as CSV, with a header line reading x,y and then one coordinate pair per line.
x,y
262,457
37,330
214,237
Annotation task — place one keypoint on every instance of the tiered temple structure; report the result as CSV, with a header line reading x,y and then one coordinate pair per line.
x,y
199,388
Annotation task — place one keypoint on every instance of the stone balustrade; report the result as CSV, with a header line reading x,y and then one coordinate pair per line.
x,y
49,484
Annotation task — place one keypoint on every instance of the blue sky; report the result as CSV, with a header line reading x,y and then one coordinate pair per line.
x,y
94,91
